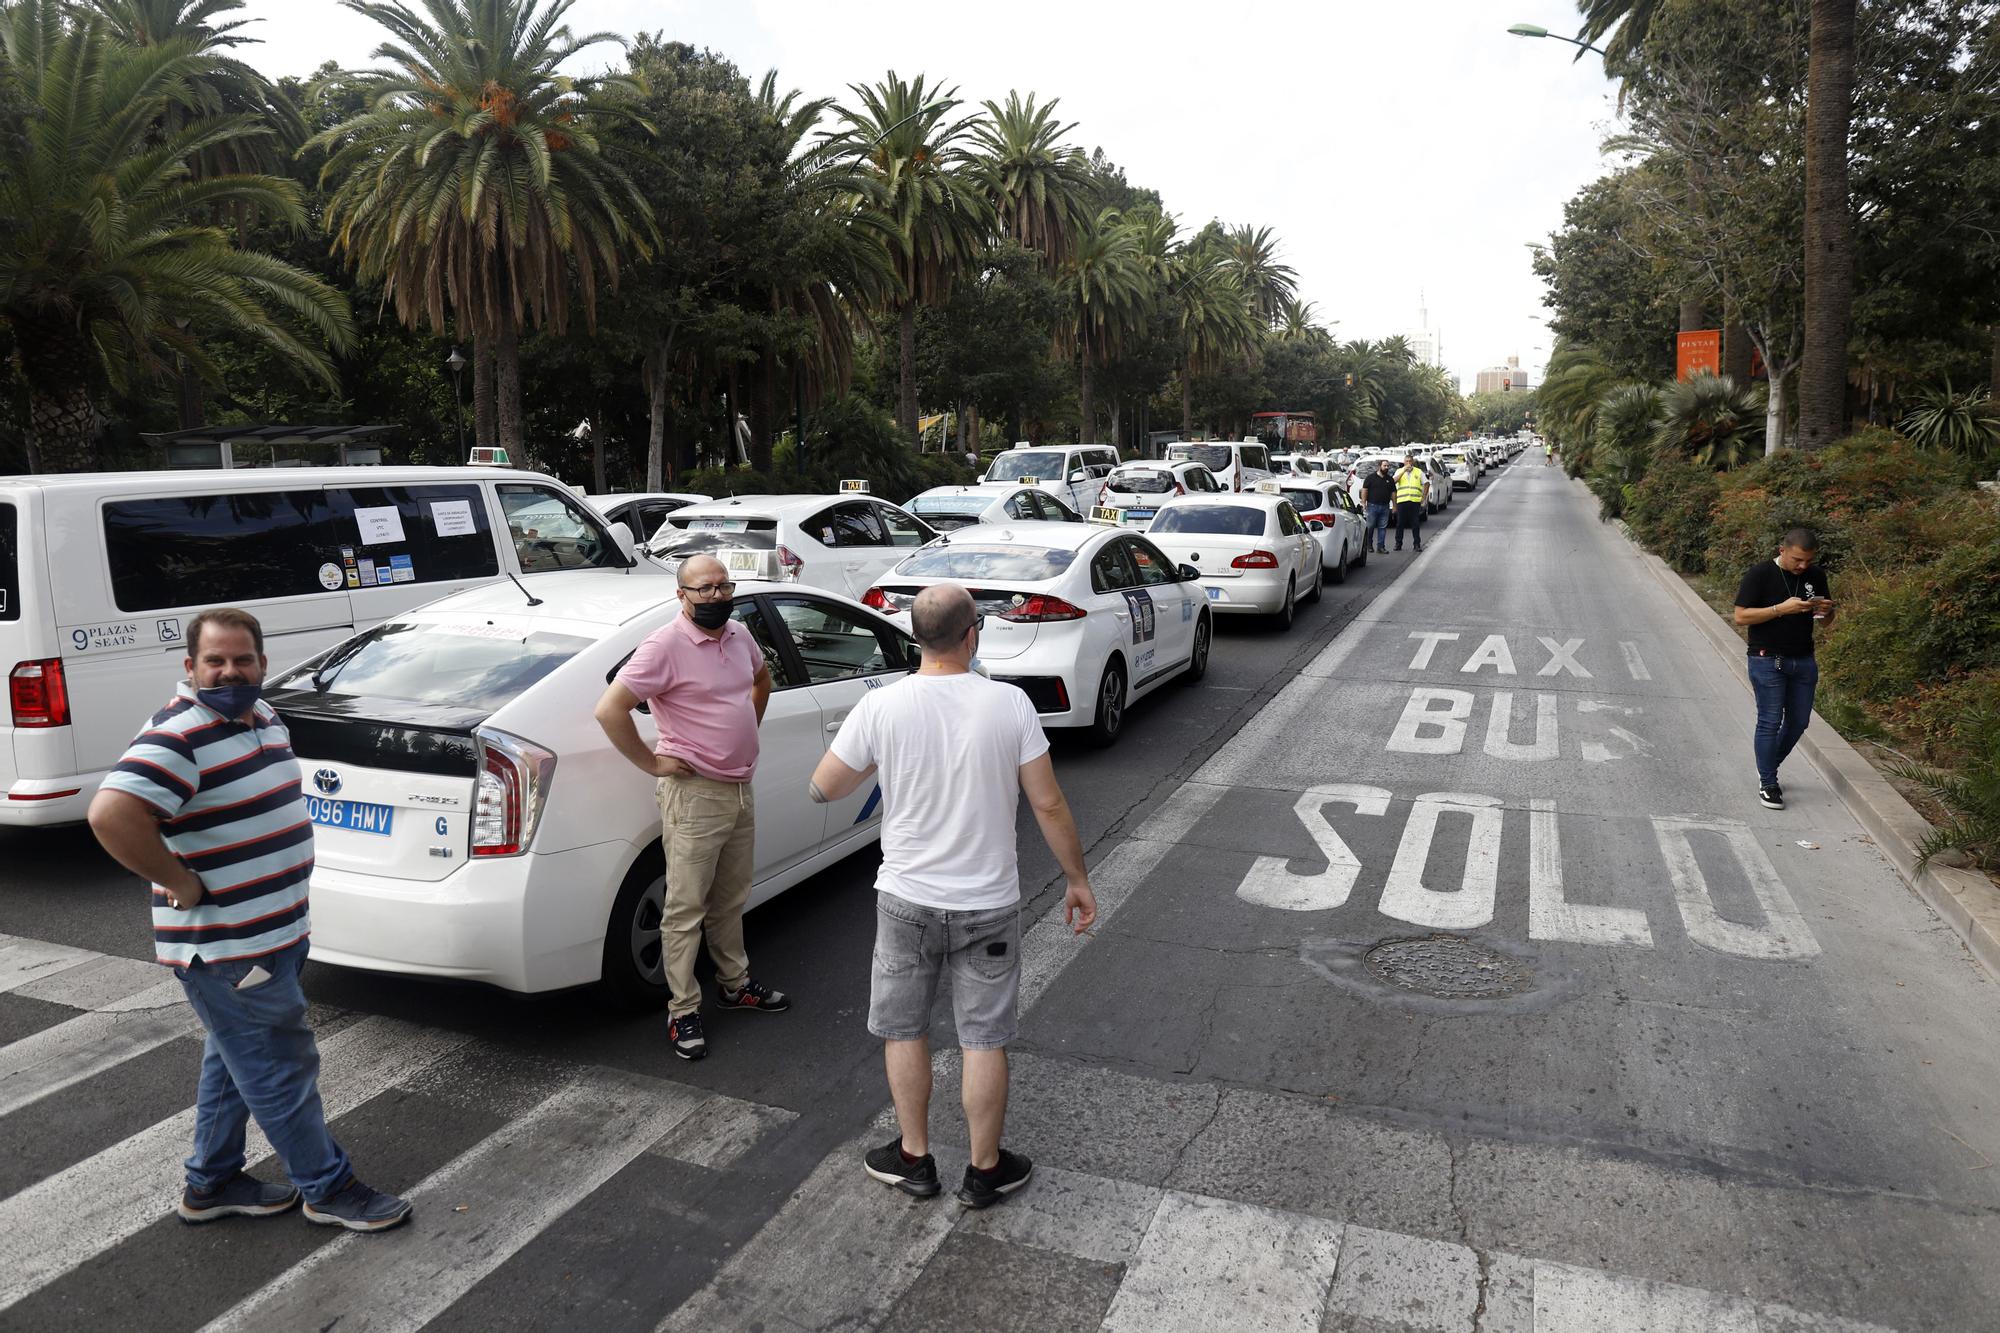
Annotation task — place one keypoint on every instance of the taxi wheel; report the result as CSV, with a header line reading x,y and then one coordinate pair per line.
x,y
1340,567
1319,581
1198,659
634,971
1362,559
1110,719
1288,610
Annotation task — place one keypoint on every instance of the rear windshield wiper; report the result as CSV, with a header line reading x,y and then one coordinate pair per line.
x,y
322,675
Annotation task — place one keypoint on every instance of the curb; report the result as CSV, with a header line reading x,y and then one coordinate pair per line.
x,y
1968,901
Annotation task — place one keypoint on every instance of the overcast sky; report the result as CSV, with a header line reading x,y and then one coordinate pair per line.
x,y
1397,148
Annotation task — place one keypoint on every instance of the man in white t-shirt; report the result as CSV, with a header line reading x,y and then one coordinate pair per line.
x,y
953,751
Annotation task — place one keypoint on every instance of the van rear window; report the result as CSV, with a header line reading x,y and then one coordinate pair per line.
x,y
10,562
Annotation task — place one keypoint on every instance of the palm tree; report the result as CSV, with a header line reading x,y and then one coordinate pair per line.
x,y
1108,289
109,262
1631,19
1941,418
1298,322
1216,320
474,186
1711,420
1253,253
1622,444
927,203
1040,190
1566,405
1359,405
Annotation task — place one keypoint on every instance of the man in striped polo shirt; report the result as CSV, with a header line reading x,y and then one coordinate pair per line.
x,y
206,804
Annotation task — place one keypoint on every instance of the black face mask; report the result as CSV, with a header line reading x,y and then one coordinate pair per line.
x,y
710,615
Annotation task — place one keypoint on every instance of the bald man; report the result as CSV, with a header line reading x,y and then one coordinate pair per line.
x,y
954,751
706,683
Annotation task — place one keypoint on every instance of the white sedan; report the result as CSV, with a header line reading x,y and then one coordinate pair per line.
x,y
840,542
1083,617
475,823
1254,553
1331,517
1137,490
949,508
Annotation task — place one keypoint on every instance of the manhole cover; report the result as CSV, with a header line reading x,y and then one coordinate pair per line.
x,y
1448,966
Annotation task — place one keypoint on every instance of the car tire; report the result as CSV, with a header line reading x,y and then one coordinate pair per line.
x,y
1109,720
633,974
1340,567
1361,561
1288,611
1204,634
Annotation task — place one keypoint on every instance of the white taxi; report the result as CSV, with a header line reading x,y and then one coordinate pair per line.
x,y
474,821
1137,490
642,512
1332,519
841,542
1254,554
1084,618
949,508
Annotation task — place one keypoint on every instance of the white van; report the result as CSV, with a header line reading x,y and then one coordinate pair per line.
x,y
100,573
1074,472
1238,466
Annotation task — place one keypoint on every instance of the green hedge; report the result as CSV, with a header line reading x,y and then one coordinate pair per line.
x,y
1671,510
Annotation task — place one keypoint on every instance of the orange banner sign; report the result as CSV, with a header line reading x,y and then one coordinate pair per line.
x,y
1698,352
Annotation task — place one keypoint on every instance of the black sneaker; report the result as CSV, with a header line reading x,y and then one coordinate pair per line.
x,y
887,1165
1777,789
754,995
359,1208
240,1196
1771,797
684,1035
983,1189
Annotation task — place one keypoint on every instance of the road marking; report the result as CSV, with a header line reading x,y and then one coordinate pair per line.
x,y
1390,1281
1633,662
1208,1263
1578,1300
1562,657
1551,916
1500,726
1495,653
1271,881
476,1212
1784,934
1431,639
25,961
1597,752
1068,1212
1407,898
52,1059
64,1220
98,984
1422,711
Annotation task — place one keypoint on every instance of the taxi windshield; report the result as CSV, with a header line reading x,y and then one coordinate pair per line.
x,y
1026,564
1226,520
1015,464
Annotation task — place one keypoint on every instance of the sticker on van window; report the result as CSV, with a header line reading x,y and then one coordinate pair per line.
x,y
381,525
384,575
91,638
453,518
401,570
329,576
353,578
169,630
367,572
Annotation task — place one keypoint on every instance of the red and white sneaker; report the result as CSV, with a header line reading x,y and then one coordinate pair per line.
x,y
754,995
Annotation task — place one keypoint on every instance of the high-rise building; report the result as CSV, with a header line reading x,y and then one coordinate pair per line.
x,y
1510,378
1426,343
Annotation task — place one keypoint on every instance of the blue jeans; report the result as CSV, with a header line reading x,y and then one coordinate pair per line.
x,y
1784,689
260,1060
1378,526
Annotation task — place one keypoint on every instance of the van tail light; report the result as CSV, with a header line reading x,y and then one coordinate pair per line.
x,y
1255,560
795,568
877,600
1041,607
38,693
514,780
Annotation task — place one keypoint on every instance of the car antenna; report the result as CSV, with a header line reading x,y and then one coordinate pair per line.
x,y
532,599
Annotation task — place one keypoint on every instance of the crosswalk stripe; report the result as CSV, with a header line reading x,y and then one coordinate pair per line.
x,y
101,983
1211,1263
840,1252
476,1212
1581,1300
23,961
48,1061
62,1221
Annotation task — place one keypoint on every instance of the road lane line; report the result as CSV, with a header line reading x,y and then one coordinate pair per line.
x,y
52,1059
1633,662
62,1221
476,1212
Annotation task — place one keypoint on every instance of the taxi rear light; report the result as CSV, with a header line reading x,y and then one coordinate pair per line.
x,y
1255,560
513,787
38,693
878,600
1041,607
795,568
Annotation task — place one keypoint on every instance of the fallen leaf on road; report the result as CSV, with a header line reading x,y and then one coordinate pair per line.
x,y
1809,846
1865,838
466,1207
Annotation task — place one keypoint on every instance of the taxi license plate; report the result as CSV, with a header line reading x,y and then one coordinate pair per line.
x,y
1141,513
354,816
1214,594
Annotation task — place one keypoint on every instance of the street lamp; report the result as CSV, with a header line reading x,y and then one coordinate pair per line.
x,y
456,365
1536,30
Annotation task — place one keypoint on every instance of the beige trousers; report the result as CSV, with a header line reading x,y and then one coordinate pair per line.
x,y
710,830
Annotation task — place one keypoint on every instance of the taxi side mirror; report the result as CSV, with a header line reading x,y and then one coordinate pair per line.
x,y
1188,573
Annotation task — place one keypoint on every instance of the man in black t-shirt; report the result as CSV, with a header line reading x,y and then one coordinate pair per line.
x,y
1780,600
1378,488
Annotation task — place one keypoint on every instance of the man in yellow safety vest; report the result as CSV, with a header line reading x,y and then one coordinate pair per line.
x,y
1410,486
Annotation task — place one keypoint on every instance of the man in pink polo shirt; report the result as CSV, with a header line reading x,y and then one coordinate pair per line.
x,y
705,680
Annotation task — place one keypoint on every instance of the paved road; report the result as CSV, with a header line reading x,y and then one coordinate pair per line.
x,y
1461,984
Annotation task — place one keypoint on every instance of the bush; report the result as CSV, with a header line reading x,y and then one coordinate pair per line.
x,y
1671,511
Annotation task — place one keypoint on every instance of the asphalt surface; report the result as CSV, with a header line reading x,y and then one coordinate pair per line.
x,y
1444,929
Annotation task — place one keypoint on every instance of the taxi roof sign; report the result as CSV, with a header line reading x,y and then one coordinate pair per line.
x,y
1027,481
1269,487
767,565
488,455
1105,514
855,485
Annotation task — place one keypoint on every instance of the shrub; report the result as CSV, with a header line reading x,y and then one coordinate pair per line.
x,y
1672,511
1923,624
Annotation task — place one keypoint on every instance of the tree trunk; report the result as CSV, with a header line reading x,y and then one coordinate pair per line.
x,y
972,431
1085,418
1736,349
654,375
507,396
485,421
597,455
1774,409
764,419
193,411
1117,439
62,426
1692,316
1993,381
1187,403
1829,287
906,399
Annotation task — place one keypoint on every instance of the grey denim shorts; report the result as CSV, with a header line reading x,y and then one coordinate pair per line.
x,y
914,944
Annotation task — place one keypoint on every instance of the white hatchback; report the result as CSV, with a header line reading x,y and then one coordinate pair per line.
x,y
949,508
1254,554
1137,490
1084,618
475,823
839,542
1331,517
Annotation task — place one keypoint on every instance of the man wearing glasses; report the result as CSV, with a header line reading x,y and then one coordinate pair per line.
x,y
705,680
